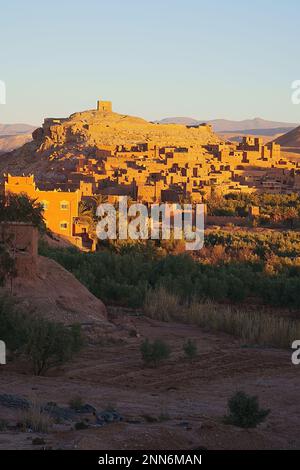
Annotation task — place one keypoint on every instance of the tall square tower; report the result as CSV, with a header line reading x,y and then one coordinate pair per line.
x,y
104,106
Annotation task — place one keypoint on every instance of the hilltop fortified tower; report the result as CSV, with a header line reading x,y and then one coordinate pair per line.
x,y
104,106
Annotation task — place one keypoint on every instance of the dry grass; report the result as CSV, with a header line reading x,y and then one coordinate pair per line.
x,y
252,327
35,419
162,305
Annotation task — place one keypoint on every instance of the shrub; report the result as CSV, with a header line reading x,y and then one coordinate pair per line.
x,y
76,403
154,353
244,411
46,344
13,326
21,208
3,425
38,441
50,344
149,419
190,349
35,419
81,426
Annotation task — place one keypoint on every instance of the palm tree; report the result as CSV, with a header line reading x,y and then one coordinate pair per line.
x,y
87,213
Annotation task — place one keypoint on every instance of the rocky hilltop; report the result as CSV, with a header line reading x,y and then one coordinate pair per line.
x,y
97,128
61,140
291,139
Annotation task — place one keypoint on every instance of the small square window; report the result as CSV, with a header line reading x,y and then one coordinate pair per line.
x,y
64,206
64,225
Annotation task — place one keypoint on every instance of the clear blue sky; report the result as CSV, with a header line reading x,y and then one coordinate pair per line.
x,y
152,58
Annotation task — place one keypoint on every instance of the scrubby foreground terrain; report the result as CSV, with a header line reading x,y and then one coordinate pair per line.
x,y
178,405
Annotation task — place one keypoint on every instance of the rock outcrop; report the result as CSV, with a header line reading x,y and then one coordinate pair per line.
x,y
96,128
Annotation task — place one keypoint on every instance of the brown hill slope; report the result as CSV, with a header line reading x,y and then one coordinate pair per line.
x,y
58,295
291,139
15,129
61,141
12,142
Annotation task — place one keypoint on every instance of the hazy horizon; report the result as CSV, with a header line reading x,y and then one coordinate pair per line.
x,y
159,119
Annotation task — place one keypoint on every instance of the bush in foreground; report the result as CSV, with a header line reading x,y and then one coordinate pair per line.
x,y
76,403
50,344
154,353
44,343
35,419
190,349
244,411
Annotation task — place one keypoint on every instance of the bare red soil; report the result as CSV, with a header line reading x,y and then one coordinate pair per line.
x,y
179,405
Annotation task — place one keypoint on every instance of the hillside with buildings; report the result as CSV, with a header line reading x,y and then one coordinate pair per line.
x,y
100,153
59,142
122,296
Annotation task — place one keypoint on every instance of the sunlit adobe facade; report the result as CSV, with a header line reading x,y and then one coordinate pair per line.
x,y
60,207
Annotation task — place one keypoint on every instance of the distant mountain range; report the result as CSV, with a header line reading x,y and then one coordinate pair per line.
x,y
15,129
256,126
12,142
13,136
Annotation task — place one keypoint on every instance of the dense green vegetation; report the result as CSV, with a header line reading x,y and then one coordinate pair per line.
x,y
21,208
233,266
276,209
